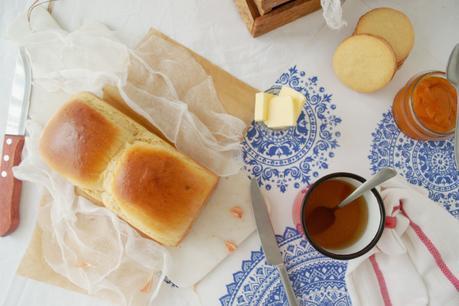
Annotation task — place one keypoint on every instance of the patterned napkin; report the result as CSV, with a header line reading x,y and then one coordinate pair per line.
x,y
416,259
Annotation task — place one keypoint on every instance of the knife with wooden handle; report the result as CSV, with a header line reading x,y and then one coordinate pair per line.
x,y
10,187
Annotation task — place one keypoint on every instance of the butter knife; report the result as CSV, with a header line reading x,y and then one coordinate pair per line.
x,y
268,240
13,142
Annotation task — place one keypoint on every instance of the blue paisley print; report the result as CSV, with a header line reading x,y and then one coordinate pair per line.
x,y
317,280
429,164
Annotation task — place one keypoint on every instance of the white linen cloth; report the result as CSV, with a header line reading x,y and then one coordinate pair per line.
x,y
214,30
416,260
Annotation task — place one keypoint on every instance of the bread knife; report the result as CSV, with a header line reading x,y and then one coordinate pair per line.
x,y
13,142
268,240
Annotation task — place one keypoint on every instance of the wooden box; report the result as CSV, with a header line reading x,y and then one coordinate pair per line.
x,y
262,16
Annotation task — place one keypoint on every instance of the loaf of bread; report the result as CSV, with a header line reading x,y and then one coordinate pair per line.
x,y
119,163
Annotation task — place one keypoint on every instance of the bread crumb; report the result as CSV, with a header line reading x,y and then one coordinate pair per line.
x,y
237,212
82,264
147,287
230,246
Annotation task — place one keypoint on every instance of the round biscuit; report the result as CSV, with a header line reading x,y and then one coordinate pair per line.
x,y
392,25
364,63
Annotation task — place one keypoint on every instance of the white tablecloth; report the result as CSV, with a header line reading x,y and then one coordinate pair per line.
x,y
215,30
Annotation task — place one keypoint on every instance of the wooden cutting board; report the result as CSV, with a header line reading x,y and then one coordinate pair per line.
x,y
236,96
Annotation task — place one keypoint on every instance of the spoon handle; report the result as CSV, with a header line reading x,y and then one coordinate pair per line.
x,y
380,177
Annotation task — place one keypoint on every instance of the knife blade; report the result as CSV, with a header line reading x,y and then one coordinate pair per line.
x,y
268,240
13,142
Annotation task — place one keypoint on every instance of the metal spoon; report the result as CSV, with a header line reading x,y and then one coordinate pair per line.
x,y
452,73
324,217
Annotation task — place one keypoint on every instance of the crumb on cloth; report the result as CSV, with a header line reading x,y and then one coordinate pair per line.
x,y
230,246
237,212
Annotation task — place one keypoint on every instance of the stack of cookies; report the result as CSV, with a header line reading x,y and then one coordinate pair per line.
x,y
368,60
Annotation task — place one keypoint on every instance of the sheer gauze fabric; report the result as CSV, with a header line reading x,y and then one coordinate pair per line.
x,y
88,244
333,13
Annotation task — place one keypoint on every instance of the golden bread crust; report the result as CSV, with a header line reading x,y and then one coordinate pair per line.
x,y
117,162
79,142
159,191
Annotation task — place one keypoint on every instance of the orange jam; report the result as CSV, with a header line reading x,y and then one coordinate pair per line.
x,y
426,107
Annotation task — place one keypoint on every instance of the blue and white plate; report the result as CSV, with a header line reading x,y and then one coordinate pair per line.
x,y
425,163
295,156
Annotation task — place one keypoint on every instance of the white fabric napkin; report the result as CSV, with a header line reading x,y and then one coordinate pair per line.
x,y
333,13
416,261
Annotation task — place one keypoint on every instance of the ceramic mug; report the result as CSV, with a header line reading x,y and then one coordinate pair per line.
x,y
375,218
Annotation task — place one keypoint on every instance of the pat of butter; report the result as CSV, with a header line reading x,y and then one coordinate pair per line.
x,y
262,106
281,112
297,97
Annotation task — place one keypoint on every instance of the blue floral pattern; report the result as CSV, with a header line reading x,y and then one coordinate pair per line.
x,y
294,156
316,279
425,163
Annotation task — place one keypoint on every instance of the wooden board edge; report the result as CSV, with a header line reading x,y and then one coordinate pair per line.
x,y
249,13
263,6
266,6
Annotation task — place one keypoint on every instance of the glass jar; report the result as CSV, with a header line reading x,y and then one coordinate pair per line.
x,y
426,107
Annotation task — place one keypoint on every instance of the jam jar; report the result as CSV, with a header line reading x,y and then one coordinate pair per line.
x,y
426,107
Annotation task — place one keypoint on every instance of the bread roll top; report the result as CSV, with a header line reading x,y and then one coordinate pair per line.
x,y
178,185
79,142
